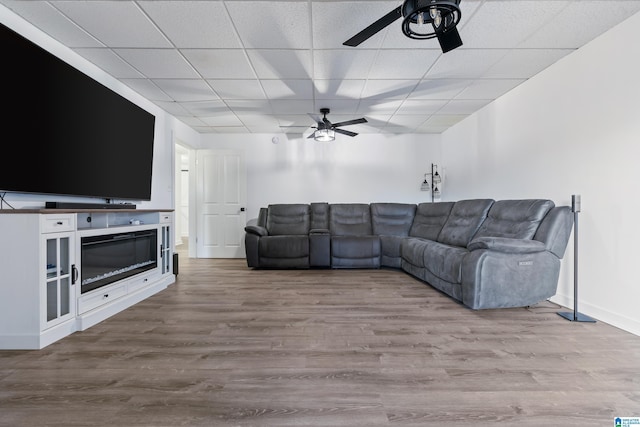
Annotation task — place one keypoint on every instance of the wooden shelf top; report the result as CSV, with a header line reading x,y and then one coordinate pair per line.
x,y
98,210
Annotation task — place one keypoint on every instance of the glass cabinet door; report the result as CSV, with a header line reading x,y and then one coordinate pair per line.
x,y
166,249
58,287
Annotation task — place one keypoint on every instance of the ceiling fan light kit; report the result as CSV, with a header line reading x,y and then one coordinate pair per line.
x,y
422,19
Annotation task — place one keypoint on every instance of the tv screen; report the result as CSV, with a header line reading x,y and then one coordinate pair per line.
x,y
67,134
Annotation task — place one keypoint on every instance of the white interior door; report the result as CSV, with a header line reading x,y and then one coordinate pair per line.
x,y
221,201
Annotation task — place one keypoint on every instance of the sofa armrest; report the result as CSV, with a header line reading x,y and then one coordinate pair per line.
x,y
507,245
257,230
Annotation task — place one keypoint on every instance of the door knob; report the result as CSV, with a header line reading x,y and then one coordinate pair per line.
x,y
242,209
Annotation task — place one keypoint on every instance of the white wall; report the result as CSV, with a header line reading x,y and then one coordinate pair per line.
x,y
166,126
366,168
573,129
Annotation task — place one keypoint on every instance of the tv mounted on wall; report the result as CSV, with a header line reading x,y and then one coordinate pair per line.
x,y
64,133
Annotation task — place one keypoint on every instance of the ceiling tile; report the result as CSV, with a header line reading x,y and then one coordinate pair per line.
x,y
403,64
338,89
173,108
285,106
148,89
52,22
225,118
439,88
488,89
205,108
338,106
294,120
220,63
413,120
108,61
182,90
281,64
249,106
99,18
506,23
334,22
389,89
193,24
422,106
378,106
237,89
158,63
524,63
343,64
272,24
580,22
288,89
465,63
463,106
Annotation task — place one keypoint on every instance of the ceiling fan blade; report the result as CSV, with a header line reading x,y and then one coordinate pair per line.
x,y
350,122
344,132
374,28
449,40
313,134
315,117
327,122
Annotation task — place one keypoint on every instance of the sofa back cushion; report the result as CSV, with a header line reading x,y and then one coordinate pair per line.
x,y
319,216
463,222
350,219
291,219
392,219
515,219
429,219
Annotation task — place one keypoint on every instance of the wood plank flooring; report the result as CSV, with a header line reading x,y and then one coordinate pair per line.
x,y
230,346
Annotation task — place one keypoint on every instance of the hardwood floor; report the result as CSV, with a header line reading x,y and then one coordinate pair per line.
x,y
230,346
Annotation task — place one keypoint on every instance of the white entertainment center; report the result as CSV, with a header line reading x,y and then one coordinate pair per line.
x,y
44,294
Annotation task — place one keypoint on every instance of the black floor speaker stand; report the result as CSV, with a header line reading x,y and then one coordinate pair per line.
x,y
575,316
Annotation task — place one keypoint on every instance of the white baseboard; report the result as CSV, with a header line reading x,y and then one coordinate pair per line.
x,y
599,313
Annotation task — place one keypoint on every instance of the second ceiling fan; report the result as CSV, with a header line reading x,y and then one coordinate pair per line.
x,y
325,130
422,19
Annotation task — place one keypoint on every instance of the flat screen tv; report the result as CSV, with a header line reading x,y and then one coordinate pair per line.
x,y
64,133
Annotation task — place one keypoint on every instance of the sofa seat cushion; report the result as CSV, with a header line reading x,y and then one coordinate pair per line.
x,y
412,251
444,261
355,247
284,246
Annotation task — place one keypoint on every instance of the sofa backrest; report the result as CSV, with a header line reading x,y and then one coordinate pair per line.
x,y
515,219
350,219
319,216
288,219
463,222
429,219
392,219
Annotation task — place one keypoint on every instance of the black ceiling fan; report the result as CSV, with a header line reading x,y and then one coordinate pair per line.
x,y
422,19
325,130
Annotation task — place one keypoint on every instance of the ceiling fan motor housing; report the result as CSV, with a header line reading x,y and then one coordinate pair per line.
x,y
417,12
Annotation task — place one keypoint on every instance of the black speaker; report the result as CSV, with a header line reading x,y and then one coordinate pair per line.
x,y
175,264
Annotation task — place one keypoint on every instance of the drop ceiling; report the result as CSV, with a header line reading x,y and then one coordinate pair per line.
x,y
242,66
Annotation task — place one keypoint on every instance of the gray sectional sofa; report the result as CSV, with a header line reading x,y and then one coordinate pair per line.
x,y
483,253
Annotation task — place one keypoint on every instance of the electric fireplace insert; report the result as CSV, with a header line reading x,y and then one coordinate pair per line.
x,y
108,258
